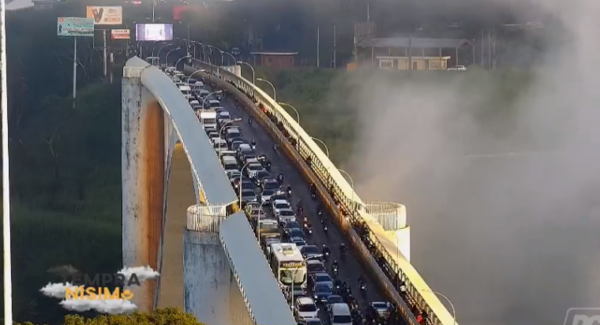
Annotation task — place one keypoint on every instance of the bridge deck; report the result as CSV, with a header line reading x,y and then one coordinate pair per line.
x,y
180,196
248,263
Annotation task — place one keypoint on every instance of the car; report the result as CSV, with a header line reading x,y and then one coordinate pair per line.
x,y
279,196
278,205
315,266
299,241
333,299
233,175
340,314
284,215
219,144
235,145
321,292
246,184
266,196
379,308
311,321
254,211
269,184
289,225
311,252
322,278
305,308
295,232
224,116
259,176
458,68
253,168
248,195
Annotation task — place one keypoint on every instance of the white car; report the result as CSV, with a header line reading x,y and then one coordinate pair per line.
x,y
285,215
253,168
458,68
305,308
224,116
279,205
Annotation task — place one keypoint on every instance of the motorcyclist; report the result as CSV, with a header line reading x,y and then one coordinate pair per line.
x,y
250,120
313,189
325,250
253,144
275,146
361,280
343,248
299,208
268,167
280,178
335,265
289,191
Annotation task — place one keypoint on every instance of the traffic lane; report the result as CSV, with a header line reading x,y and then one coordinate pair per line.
x,y
350,269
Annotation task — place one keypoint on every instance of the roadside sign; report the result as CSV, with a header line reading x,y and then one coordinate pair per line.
x,y
119,34
75,26
104,15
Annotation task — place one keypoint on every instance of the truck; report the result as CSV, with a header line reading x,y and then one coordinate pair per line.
x,y
208,118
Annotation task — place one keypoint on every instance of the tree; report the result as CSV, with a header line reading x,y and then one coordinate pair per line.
x,y
163,316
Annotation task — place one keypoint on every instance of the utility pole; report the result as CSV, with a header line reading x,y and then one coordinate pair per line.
x,y
318,47
334,46
74,70
105,54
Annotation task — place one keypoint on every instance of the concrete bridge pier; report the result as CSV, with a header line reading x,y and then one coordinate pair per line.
x,y
207,276
143,178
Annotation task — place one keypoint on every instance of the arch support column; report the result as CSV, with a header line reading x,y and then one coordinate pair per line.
x,y
143,179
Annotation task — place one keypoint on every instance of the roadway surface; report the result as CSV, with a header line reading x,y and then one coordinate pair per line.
x,y
350,269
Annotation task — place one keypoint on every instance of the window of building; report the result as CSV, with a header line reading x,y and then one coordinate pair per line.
x,y
386,64
435,64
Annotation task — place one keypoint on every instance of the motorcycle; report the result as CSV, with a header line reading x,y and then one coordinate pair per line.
x,y
335,271
326,255
313,195
363,289
289,194
325,230
268,166
320,213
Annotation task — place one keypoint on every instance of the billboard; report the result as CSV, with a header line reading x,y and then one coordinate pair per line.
x,y
75,26
154,32
180,12
119,34
105,15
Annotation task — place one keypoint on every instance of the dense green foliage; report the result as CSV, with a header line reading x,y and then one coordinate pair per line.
x,y
65,163
166,316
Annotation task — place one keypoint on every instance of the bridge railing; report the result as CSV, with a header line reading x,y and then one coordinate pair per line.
x,y
399,272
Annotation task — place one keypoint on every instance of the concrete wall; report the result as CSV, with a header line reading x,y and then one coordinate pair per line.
x,y
143,178
239,311
206,272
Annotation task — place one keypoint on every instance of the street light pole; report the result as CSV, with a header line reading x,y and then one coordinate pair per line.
x,y
167,57
448,300
225,125
251,68
295,110
324,145
160,49
182,58
241,176
274,91
351,183
193,73
209,95
232,57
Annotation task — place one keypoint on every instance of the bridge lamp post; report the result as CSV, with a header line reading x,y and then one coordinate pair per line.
x,y
324,145
295,110
242,176
182,58
167,57
447,299
232,57
267,81
160,48
226,125
220,51
352,184
193,73
209,95
251,68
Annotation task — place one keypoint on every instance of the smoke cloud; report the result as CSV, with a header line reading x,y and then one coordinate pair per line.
x,y
501,193
108,306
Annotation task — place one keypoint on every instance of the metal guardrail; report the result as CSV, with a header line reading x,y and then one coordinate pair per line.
x,y
415,297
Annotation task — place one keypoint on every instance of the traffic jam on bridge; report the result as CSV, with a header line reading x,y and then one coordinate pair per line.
x,y
311,259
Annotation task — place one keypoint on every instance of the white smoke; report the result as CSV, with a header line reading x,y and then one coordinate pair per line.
x,y
57,290
113,307
143,273
87,303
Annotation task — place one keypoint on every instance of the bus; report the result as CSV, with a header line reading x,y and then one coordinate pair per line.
x,y
289,267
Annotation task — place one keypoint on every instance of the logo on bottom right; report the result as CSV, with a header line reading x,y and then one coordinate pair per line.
x,y
582,316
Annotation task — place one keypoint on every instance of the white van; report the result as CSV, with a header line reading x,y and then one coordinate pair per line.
x,y
340,314
186,91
